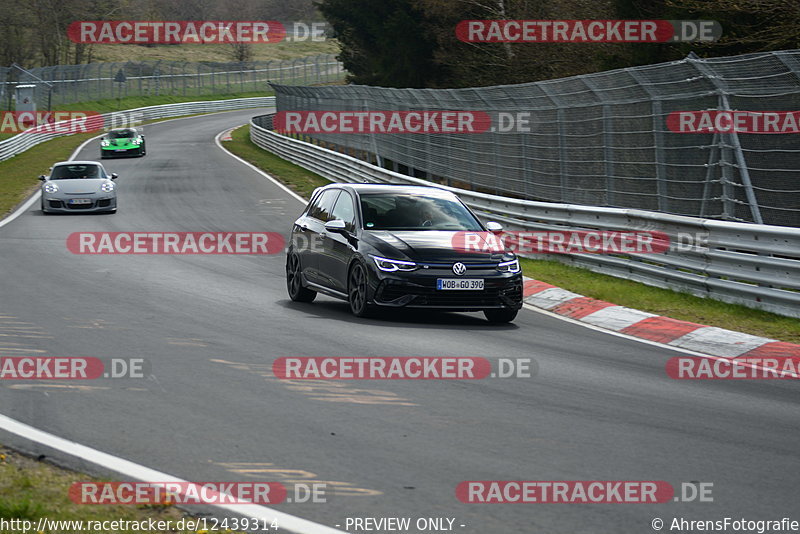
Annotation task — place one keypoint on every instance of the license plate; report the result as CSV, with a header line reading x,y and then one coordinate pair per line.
x,y
473,284
121,150
80,201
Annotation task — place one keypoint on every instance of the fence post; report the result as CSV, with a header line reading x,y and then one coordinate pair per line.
x,y
713,160
562,141
658,140
157,77
608,141
732,136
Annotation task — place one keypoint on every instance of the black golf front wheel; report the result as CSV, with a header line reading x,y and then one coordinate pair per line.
x,y
500,315
357,291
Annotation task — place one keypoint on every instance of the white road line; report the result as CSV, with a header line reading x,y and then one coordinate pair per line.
x,y
259,171
31,201
526,305
130,469
286,522
640,340
28,203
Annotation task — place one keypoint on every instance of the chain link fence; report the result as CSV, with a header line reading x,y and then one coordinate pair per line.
x,y
600,139
68,84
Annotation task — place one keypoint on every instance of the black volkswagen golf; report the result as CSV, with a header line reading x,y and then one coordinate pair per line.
x,y
378,245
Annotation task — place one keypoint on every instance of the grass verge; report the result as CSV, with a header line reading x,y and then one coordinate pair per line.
x,y
298,179
665,302
18,174
211,52
31,489
650,299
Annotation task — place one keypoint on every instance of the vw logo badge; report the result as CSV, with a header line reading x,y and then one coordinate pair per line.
x,y
459,268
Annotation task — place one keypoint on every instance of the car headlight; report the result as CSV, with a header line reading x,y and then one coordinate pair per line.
x,y
107,187
51,188
385,264
509,266
105,142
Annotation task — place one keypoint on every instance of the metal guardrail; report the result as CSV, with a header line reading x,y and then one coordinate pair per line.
x,y
26,140
751,264
600,139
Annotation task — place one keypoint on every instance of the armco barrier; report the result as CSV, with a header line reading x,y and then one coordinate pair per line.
x,y
23,141
752,264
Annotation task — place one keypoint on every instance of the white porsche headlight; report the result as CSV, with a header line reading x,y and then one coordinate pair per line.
x,y
107,187
105,142
51,188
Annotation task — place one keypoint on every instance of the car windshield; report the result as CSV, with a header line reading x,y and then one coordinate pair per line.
x,y
392,211
73,172
121,134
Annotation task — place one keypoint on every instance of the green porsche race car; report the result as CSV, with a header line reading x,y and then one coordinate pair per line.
x,y
122,142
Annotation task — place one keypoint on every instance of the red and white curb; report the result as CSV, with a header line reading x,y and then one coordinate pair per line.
x,y
680,334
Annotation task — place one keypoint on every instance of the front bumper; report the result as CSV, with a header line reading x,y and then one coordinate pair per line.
x,y
60,204
111,152
418,290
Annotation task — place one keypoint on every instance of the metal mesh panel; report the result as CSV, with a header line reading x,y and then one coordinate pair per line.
x,y
602,139
95,81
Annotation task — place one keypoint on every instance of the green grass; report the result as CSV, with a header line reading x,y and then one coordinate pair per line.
x,y
31,489
211,52
19,175
656,300
300,180
666,302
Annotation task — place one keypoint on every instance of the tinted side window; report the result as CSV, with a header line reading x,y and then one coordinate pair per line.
x,y
324,205
345,210
312,206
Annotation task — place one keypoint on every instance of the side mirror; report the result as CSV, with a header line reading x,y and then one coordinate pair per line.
x,y
494,227
42,177
337,226
114,176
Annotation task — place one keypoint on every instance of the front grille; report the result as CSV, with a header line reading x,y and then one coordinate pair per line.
x,y
429,296
55,204
104,203
80,206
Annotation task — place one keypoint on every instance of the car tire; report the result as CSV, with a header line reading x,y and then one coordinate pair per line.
x,y
357,291
500,315
294,281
